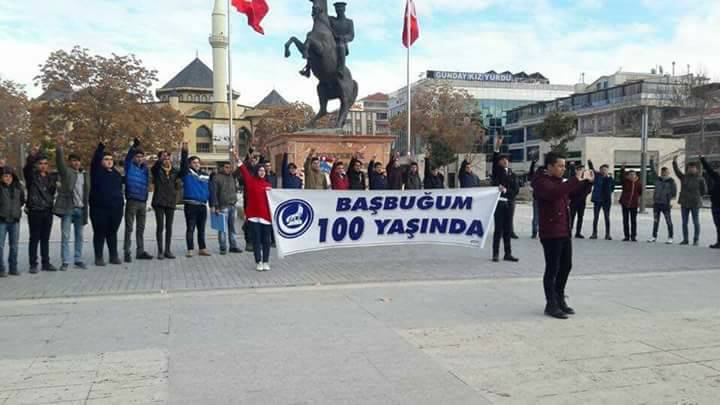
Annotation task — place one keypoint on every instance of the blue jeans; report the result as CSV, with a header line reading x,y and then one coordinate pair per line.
x,y
74,219
12,232
231,235
696,221
262,235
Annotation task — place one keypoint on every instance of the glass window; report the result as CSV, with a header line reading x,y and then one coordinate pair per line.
x,y
517,155
202,115
203,147
533,153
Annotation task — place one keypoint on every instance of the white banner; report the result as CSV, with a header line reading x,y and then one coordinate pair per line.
x,y
307,220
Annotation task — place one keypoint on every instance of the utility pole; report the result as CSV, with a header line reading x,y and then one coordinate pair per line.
x,y
644,157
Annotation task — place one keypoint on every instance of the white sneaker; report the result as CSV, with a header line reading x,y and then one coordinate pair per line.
x,y
669,242
266,266
260,267
652,240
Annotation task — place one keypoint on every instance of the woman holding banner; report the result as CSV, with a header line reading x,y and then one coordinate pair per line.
x,y
257,212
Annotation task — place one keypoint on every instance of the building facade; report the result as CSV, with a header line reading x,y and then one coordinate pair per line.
x,y
369,116
494,94
609,123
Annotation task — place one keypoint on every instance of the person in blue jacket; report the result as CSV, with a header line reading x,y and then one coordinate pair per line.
x,y
196,193
602,196
137,181
290,178
468,179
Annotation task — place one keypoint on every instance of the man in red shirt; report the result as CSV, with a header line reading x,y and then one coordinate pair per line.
x,y
630,202
552,193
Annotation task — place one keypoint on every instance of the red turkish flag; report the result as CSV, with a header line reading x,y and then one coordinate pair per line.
x,y
414,29
255,10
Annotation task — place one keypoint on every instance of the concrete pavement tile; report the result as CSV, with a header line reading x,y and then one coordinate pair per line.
x,y
632,361
703,354
45,395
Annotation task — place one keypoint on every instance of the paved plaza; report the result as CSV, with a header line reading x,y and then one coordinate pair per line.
x,y
395,325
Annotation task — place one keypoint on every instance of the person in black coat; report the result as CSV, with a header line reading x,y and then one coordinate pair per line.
x,y
505,180
41,187
433,178
106,204
166,179
356,174
468,179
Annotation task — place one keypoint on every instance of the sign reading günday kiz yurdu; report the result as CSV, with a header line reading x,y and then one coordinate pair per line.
x,y
306,220
484,77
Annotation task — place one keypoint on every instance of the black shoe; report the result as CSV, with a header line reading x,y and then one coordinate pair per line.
x,y
128,258
684,243
100,262
593,237
626,240
608,237
715,246
249,248
64,267
49,267
3,274
115,260
144,256
235,250
496,259
14,273
514,236
579,236
696,243
565,308
81,265
633,239
510,258
160,256
169,255
34,269
223,252
555,312
534,236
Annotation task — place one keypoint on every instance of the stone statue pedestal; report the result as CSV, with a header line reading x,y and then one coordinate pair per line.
x,y
330,145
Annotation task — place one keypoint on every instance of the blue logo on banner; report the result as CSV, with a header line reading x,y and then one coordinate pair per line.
x,y
293,218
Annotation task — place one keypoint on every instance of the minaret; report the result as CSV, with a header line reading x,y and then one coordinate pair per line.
x,y
219,42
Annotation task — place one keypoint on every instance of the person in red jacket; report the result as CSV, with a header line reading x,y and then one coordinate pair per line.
x,y
630,202
552,193
338,178
257,212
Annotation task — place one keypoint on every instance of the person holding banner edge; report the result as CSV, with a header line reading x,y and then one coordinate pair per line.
x,y
504,179
553,195
257,212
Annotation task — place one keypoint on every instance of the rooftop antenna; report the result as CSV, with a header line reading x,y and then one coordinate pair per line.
x,y
673,71
197,54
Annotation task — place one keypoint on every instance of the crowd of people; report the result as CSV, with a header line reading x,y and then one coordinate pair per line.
x,y
104,195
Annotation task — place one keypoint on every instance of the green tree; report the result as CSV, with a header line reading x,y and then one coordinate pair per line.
x,y
92,98
558,129
14,120
444,118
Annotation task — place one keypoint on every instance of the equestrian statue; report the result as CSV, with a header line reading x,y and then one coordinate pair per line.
x,y
325,49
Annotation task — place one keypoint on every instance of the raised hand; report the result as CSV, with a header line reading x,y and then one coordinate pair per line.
x,y
184,146
60,140
136,142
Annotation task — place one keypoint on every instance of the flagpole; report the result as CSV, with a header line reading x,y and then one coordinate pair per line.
x,y
231,101
409,90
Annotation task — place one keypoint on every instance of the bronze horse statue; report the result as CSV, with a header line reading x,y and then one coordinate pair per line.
x,y
320,50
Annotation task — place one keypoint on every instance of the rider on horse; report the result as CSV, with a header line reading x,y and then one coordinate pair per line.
x,y
344,31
